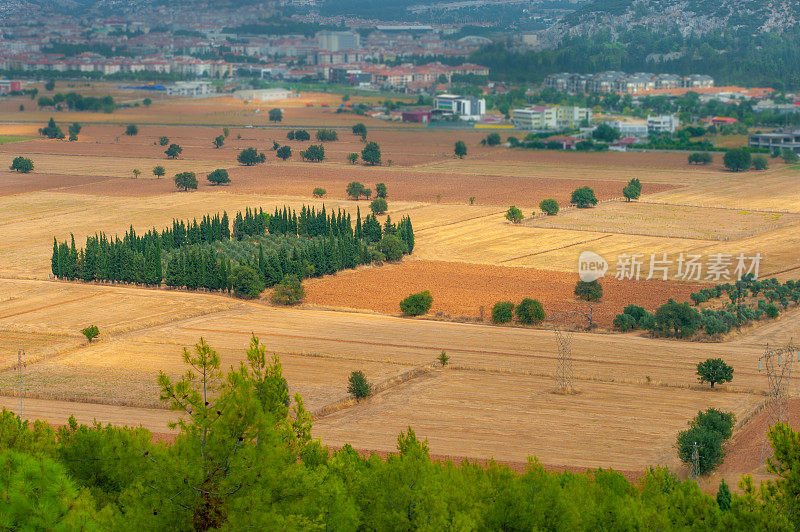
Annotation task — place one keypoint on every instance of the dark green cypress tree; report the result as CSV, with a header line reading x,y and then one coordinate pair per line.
x,y
54,259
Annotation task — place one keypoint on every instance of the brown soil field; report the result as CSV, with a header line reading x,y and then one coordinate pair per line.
x,y
460,289
667,221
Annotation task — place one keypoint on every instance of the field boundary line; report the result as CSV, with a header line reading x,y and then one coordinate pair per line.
x,y
556,249
459,221
382,387
82,298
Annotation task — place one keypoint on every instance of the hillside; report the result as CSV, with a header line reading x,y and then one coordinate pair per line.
x,y
687,16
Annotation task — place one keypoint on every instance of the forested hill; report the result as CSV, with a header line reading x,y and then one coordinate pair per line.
x,y
686,16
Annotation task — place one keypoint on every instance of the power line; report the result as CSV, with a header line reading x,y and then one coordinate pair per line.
x,y
564,326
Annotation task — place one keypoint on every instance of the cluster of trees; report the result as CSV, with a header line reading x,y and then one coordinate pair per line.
x,y
528,312
708,430
701,158
682,320
314,153
327,135
243,438
298,134
360,130
78,102
251,157
22,165
51,130
547,206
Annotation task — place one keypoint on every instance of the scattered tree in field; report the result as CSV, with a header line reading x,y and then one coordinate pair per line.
x,y
714,371
251,157
73,130
159,171
186,180
91,332
737,160
378,206
492,139
392,247
289,291
22,165
678,319
21,107
709,430
443,358
225,132
314,153
319,192
50,85
246,282
51,131
380,190
371,154
583,197
147,102
174,151
703,158
327,135
789,156
358,386
163,140
218,177
589,291
632,190
353,158
503,312
416,304
549,207
760,163
131,130
355,190
275,115
530,311
299,134
360,130
460,149
606,133
136,173
219,141
514,215
284,152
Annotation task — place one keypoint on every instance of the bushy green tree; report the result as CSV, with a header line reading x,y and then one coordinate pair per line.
x,y
360,130
218,141
514,215
319,192
381,191
314,153
91,332
714,371
392,247
275,115
23,165
358,386
589,290
492,139
709,430
503,312
250,157
371,154
583,197
218,177
186,180
737,160
159,171
701,158
353,158
51,130
173,151
246,282
606,133
355,190
163,140
378,206
632,190
530,311
549,207
417,304
131,130
677,319
760,163
284,152
460,149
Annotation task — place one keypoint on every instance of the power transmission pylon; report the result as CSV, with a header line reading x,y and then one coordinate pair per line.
x,y
695,461
777,363
564,325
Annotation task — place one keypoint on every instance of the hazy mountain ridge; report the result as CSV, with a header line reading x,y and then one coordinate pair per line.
x,y
686,16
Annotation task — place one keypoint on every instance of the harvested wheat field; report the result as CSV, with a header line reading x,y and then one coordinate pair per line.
x,y
467,290
512,417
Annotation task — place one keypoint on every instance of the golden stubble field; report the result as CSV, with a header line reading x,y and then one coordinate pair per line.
x,y
496,399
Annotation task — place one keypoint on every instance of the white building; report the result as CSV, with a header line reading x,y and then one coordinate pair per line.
x,y
663,124
264,95
541,117
465,107
333,41
631,129
190,88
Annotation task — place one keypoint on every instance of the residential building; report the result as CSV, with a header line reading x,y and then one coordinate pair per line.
x,y
465,107
663,124
422,116
782,140
190,88
264,95
333,41
543,117
7,85
637,128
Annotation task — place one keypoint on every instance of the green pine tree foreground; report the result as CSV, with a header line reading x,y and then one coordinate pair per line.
x,y
244,458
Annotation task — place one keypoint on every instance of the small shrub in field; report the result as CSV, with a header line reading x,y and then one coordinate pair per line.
x,y
319,192
289,291
358,385
443,358
91,332
514,215
549,207
417,304
503,312
530,311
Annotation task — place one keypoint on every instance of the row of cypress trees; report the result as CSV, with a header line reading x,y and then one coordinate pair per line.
x,y
332,245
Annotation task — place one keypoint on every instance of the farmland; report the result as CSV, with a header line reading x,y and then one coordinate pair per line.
x,y
495,398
